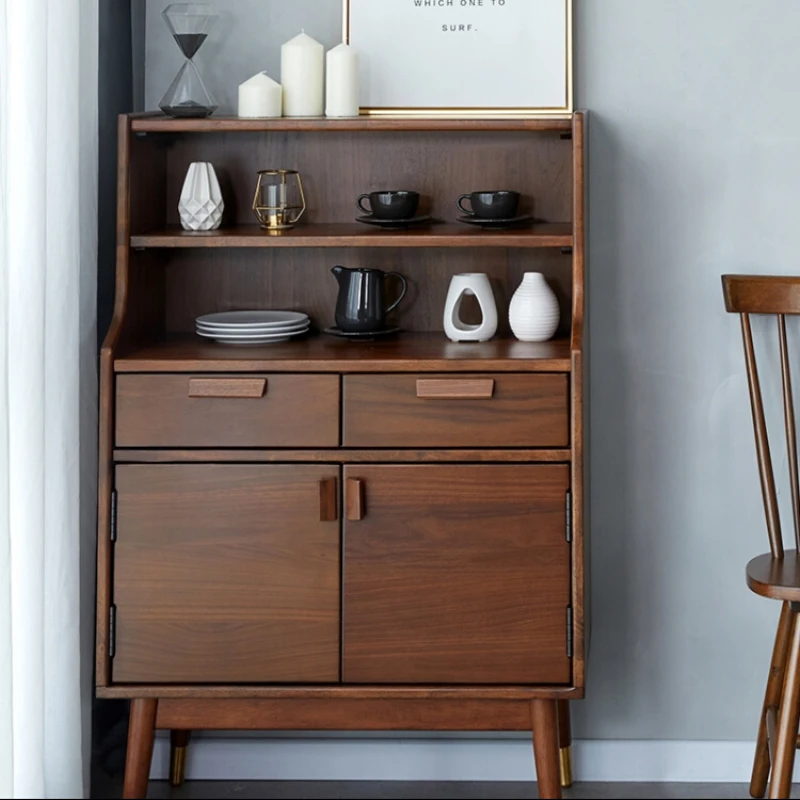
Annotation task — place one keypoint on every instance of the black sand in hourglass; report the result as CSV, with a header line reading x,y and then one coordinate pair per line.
x,y
189,24
190,43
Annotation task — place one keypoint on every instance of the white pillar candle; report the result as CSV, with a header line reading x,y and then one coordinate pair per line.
x,y
342,82
302,72
260,96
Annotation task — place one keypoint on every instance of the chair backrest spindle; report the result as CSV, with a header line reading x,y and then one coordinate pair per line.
x,y
762,444
791,429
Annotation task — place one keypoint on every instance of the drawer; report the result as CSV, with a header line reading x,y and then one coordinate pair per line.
x,y
502,410
227,411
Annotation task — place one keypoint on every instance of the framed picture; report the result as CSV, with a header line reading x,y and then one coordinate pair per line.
x,y
463,57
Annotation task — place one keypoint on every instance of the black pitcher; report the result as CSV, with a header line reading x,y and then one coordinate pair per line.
x,y
361,307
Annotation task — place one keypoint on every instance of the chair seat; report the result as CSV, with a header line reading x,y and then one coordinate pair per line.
x,y
778,578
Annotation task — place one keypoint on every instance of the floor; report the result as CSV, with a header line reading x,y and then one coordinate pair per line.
x,y
283,790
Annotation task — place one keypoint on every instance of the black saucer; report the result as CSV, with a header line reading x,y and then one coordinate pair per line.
x,y
363,336
525,219
396,223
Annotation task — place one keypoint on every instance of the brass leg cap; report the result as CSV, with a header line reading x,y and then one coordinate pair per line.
x,y
177,767
565,764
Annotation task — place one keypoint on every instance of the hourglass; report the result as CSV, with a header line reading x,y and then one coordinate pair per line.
x,y
190,24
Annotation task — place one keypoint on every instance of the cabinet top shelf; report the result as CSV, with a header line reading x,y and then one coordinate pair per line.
x,y
408,352
360,235
159,123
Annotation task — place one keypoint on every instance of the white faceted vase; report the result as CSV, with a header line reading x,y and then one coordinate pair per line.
x,y
201,204
534,313
470,283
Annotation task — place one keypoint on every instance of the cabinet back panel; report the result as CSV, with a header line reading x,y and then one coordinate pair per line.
x,y
337,167
206,280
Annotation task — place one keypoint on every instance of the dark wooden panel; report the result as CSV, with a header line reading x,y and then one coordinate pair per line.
x,y
337,715
457,574
339,455
210,280
406,353
353,234
337,166
155,122
523,411
160,411
225,574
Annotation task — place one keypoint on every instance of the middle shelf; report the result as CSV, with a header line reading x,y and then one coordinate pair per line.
x,y
446,234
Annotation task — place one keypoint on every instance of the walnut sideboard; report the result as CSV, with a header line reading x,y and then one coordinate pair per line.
x,y
327,535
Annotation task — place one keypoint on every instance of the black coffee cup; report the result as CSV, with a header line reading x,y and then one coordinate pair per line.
x,y
491,205
390,205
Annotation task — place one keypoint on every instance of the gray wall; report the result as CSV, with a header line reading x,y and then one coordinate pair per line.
x,y
695,167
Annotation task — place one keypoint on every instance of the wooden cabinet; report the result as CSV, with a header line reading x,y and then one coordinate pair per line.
x,y
335,535
456,574
226,574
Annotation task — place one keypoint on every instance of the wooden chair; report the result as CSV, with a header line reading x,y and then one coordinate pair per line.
x,y
775,574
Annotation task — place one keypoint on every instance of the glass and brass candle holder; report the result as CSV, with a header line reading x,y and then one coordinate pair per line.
x,y
279,201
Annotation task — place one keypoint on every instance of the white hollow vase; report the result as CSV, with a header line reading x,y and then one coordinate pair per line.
x,y
201,204
534,313
470,283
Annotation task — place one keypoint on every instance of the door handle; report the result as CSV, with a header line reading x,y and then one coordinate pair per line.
x,y
455,389
252,388
354,499
328,511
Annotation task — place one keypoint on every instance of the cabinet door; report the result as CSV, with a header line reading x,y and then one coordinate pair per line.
x,y
226,574
456,574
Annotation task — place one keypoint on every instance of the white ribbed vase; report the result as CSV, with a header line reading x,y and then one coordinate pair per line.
x,y
201,204
534,313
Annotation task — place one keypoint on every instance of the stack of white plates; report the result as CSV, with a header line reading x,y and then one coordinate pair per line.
x,y
252,327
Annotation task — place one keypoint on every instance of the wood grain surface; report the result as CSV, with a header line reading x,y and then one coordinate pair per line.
x,y
762,294
393,694
354,234
407,353
225,574
351,456
339,714
155,122
457,574
163,411
522,411
208,280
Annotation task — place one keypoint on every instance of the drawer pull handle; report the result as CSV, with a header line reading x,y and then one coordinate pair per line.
x,y
249,388
354,499
460,389
327,500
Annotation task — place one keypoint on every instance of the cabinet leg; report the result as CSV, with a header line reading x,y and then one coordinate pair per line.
x,y
565,743
544,720
141,732
178,742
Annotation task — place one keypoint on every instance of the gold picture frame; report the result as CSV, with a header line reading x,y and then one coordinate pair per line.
x,y
466,112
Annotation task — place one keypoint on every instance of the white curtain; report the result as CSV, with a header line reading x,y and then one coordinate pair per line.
x,y
48,222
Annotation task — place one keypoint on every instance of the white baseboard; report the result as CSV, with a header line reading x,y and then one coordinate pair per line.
x,y
347,759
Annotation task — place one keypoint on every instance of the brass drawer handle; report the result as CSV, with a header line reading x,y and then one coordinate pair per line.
x,y
354,499
251,388
455,389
